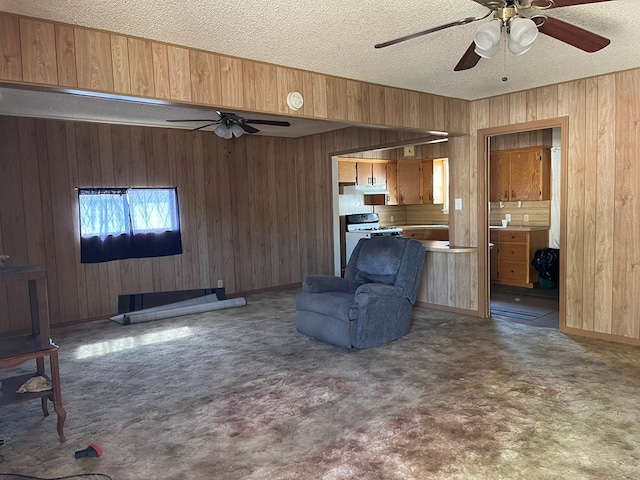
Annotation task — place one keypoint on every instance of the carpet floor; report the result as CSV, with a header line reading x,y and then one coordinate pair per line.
x,y
239,394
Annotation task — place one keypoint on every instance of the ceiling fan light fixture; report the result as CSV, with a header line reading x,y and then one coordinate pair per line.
x,y
236,130
522,31
487,38
517,49
223,131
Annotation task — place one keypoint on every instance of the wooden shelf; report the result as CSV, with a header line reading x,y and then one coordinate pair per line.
x,y
9,390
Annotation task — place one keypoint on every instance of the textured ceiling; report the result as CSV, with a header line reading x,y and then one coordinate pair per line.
x,y
337,37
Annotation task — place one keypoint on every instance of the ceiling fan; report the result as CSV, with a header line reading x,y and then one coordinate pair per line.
x,y
521,20
230,125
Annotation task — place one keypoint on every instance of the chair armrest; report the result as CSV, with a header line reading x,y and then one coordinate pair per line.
x,y
380,289
328,283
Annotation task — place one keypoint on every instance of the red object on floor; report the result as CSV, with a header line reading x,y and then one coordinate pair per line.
x,y
92,450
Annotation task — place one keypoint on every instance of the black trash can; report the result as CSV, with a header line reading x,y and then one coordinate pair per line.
x,y
546,261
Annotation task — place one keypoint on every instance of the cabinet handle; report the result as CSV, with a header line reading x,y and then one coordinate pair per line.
x,y
506,194
513,195
373,180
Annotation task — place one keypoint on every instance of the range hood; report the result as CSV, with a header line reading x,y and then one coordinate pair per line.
x,y
366,190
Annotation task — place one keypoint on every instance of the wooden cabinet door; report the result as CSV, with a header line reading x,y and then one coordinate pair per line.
x,y
347,172
365,173
493,252
499,177
379,173
526,175
409,183
427,181
392,183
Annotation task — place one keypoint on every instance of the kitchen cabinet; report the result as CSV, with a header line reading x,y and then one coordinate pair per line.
x,y
409,183
512,253
427,233
427,181
520,174
371,173
347,172
392,183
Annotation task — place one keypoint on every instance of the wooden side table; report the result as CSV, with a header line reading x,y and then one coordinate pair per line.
x,y
33,346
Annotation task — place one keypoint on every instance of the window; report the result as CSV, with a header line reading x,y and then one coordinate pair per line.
x,y
118,223
441,183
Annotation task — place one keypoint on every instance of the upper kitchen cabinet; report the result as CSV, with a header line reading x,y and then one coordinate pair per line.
x,y
347,172
520,174
409,182
427,181
371,173
392,183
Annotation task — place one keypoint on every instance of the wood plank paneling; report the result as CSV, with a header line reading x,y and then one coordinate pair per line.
x,y
626,225
141,67
231,82
205,77
66,56
10,57
120,62
336,95
161,82
179,73
93,60
605,204
99,61
376,104
38,51
13,225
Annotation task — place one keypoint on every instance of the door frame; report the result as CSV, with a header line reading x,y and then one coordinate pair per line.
x,y
483,153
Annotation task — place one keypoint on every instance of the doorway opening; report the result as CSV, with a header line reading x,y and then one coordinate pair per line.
x,y
514,289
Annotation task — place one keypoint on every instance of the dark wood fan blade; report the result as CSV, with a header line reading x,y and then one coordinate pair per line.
x,y
469,60
203,126
576,36
570,3
425,32
269,122
248,128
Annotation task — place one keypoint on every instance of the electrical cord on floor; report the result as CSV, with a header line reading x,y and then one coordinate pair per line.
x,y
13,476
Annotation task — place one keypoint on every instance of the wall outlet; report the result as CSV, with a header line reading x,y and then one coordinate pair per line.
x,y
391,218
526,218
458,204
220,284
508,217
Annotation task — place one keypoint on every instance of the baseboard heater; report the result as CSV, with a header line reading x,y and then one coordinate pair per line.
x,y
146,307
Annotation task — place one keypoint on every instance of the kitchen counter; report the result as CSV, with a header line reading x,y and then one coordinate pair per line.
x,y
517,228
444,247
421,227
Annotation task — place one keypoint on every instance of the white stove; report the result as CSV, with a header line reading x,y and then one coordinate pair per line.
x,y
365,225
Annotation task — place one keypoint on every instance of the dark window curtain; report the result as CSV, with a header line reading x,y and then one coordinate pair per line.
x,y
128,223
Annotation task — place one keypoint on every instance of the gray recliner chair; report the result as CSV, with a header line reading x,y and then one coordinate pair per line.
x,y
372,304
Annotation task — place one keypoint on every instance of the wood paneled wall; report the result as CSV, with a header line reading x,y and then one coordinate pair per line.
x,y
240,204
535,138
602,200
255,211
40,52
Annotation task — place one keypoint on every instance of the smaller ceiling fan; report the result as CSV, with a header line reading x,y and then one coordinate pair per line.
x,y
522,20
230,125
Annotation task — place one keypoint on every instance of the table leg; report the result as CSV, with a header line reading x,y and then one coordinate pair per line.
x,y
57,394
